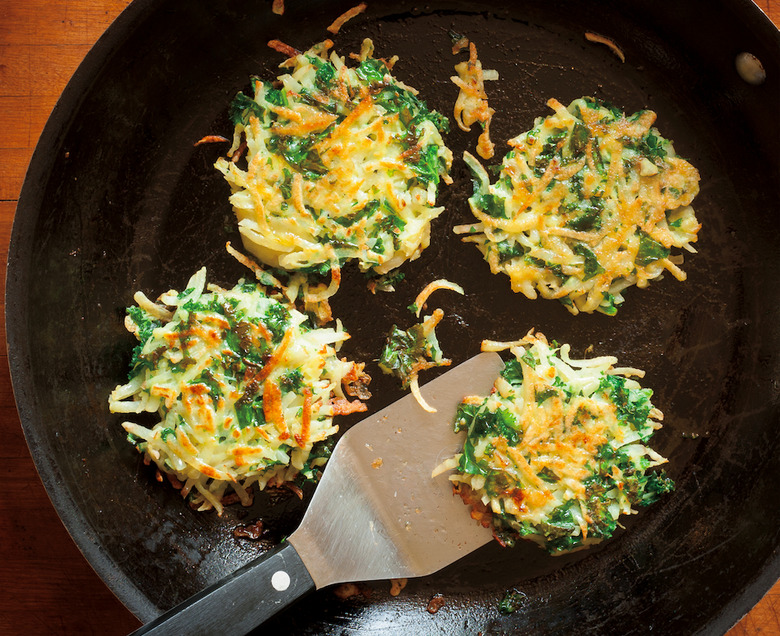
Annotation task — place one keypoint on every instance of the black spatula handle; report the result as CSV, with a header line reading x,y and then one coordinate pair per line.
x,y
241,601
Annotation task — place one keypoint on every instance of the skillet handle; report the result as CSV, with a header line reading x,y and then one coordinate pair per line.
x,y
241,601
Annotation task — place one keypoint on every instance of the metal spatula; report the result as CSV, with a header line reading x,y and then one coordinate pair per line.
x,y
376,514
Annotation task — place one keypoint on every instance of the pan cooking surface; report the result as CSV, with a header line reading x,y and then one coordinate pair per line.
x,y
118,199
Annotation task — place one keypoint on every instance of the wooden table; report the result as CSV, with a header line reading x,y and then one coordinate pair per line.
x,y
47,587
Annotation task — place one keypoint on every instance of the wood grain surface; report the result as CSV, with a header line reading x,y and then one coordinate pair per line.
x,y
46,585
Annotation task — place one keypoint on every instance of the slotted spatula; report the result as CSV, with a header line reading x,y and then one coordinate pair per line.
x,y
377,513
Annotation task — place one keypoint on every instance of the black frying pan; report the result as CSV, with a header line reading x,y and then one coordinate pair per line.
x,y
117,199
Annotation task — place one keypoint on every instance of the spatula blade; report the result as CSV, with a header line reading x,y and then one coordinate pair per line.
x,y
378,512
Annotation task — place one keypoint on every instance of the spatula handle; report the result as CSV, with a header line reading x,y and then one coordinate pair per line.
x,y
241,601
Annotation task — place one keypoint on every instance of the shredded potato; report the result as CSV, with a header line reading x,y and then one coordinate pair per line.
x,y
281,47
211,139
441,283
600,39
459,42
556,453
341,163
587,203
244,388
472,105
339,22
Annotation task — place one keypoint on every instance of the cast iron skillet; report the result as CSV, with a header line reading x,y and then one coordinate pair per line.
x,y
117,199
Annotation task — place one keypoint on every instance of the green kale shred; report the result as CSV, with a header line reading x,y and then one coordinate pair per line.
x,y
299,152
275,96
285,187
545,394
549,150
410,109
652,146
548,475
650,250
491,204
325,74
633,405
614,113
250,413
320,450
608,304
479,422
405,349
513,372
579,139
207,378
507,250
277,319
242,108
366,211
428,165
146,325
588,214
390,223
371,70
292,381
553,268
513,600
592,265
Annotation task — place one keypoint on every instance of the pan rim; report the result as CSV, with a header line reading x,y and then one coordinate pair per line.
x,y
17,283
16,332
